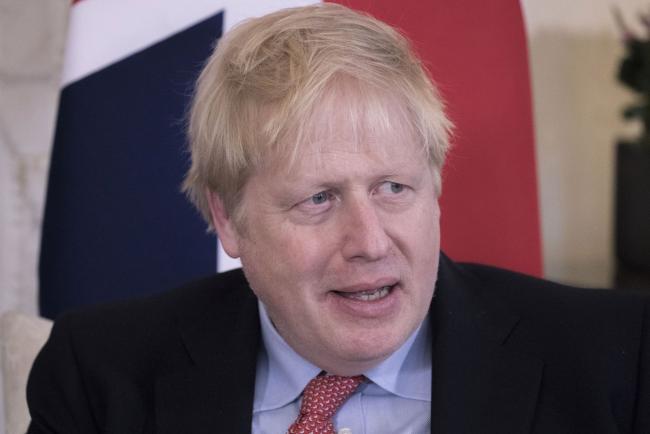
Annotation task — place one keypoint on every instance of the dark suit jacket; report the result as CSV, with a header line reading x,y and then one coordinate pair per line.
x,y
511,354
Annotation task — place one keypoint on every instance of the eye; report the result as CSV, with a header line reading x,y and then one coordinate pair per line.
x,y
317,203
394,194
319,198
396,187
391,187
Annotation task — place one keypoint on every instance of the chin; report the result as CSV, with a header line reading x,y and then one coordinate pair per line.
x,y
368,350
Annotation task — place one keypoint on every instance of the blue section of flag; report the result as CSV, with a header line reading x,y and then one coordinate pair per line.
x,y
116,224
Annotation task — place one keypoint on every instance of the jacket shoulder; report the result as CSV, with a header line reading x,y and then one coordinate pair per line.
x,y
100,364
528,293
566,320
155,311
595,343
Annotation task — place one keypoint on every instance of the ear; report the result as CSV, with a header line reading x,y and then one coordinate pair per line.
x,y
223,224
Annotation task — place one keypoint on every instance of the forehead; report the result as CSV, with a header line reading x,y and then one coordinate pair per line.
x,y
339,160
349,118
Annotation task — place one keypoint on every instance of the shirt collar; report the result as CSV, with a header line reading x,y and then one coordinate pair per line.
x,y
282,374
407,372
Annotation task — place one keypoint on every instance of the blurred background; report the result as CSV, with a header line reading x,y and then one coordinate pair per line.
x,y
574,52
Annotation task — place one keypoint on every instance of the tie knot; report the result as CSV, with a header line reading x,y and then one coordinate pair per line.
x,y
326,393
321,399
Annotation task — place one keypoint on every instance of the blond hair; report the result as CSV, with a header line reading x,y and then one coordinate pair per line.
x,y
268,76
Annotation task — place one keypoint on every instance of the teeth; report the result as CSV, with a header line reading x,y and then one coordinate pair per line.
x,y
372,295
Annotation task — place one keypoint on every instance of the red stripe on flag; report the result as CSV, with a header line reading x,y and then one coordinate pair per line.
x,y
477,54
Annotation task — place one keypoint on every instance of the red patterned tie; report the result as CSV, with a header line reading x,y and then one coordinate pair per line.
x,y
320,400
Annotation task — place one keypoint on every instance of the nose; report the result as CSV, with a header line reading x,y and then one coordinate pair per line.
x,y
365,238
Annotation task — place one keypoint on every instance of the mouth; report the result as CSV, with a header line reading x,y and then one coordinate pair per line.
x,y
367,295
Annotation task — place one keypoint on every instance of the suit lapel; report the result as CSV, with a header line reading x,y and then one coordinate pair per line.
x,y
479,384
215,394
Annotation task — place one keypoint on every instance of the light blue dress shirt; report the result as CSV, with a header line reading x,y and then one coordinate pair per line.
x,y
397,399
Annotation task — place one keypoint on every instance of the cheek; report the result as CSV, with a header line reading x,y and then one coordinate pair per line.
x,y
309,248
290,258
419,231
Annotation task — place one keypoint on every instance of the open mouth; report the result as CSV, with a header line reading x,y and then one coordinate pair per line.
x,y
369,295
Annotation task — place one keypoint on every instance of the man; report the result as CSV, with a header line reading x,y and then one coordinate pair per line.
x,y
317,144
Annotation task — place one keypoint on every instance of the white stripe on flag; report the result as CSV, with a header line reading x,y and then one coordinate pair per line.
x,y
242,9
102,32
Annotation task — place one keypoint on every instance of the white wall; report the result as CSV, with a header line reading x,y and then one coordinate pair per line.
x,y
31,45
575,48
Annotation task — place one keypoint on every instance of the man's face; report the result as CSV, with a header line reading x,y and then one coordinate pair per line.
x,y
342,247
